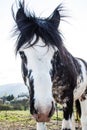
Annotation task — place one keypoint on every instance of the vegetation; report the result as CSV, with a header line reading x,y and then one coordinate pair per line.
x,y
6,107
15,105
10,97
21,120
14,115
11,103
18,116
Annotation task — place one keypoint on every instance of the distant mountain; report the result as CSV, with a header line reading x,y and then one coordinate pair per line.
x,y
15,89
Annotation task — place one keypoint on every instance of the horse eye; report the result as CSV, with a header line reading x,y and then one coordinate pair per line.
x,y
22,54
23,57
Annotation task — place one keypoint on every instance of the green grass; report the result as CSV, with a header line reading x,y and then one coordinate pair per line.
x,y
23,120
14,116
60,116
16,119
17,116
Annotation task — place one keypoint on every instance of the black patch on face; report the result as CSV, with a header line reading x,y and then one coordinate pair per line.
x,y
23,57
23,66
31,83
31,92
27,76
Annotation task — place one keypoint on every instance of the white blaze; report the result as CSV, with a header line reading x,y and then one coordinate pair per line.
x,y
39,61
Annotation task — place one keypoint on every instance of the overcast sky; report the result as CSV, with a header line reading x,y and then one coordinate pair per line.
x,y
75,33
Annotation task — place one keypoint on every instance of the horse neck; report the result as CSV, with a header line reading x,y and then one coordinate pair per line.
x,y
69,61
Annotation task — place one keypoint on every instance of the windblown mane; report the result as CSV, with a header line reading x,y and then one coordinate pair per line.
x,y
30,25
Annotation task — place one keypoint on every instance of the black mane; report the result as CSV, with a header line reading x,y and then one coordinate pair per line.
x,y
45,28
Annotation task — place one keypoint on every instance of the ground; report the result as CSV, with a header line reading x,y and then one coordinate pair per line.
x,y
22,120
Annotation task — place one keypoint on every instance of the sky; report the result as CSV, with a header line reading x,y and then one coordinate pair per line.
x,y
74,30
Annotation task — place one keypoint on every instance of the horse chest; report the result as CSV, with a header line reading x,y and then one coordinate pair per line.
x,y
61,91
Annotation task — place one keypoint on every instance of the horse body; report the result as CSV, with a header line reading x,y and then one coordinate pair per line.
x,y
68,86
49,70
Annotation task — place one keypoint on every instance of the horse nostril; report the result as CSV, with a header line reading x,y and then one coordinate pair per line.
x,y
33,111
52,110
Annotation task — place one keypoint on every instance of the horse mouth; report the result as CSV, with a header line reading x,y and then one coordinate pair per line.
x,y
41,117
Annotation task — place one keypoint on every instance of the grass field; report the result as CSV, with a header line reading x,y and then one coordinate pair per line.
x,y
22,120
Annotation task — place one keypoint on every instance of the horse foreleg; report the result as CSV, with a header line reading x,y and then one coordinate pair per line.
x,y
41,126
68,122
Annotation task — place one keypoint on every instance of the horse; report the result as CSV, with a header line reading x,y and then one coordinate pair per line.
x,y
51,73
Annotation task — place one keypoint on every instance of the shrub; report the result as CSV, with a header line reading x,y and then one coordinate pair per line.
x,y
6,107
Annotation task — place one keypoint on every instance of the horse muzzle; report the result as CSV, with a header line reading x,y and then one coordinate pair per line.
x,y
44,117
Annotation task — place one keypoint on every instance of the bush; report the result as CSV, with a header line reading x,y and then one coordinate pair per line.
x,y
20,104
17,107
6,107
11,107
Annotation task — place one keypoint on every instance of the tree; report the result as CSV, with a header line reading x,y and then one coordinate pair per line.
x,y
10,97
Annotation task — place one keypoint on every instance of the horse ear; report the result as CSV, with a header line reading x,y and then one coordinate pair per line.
x,y
21,17
55,17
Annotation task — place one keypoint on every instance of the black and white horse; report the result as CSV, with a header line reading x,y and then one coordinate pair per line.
x,y
49,70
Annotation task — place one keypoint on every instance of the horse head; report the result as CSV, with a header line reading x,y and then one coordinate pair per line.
x,y
37,42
